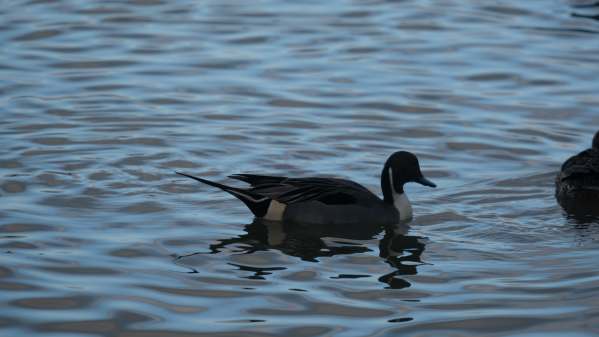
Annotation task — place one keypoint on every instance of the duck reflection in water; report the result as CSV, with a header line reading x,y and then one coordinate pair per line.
x,y
402,252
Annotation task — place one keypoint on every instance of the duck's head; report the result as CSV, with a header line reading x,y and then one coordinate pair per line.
x,y
596,141
402,167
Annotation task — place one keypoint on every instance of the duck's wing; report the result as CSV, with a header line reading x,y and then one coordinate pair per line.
x,y
330,191
584,164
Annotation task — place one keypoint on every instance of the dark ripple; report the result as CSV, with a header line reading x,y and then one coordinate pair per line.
x,y
82,271
24,228
96,64
38,35
58,303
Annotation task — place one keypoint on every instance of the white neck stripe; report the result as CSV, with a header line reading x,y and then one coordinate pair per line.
x,y
391,181
400,200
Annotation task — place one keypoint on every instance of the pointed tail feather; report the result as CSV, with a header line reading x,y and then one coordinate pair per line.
x,y
255,179
257,203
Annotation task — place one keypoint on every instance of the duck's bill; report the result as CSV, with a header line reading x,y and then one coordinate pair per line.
x,y
425,182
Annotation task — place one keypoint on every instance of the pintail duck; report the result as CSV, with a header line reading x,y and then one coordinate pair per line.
x,y
314,200
577,184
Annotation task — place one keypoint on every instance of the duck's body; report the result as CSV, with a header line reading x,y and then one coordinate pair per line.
x,y
577,183
321,201
330,200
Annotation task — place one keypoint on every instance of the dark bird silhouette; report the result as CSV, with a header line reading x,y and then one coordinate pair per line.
x,y
317,200
577,183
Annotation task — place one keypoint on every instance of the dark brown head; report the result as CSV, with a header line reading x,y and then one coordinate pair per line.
x,y
402,167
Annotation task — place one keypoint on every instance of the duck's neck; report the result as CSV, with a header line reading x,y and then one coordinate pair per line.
x,y
398,199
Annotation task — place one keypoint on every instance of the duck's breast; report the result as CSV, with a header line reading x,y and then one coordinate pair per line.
x,y
579,194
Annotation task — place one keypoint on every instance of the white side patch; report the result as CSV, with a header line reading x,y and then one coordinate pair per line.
x,y
275,211
400,201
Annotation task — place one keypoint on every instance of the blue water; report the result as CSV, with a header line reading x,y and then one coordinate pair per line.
x,y
103,100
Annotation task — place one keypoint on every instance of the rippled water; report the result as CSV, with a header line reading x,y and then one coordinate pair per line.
x,y
103,100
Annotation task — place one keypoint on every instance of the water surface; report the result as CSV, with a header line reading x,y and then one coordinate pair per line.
x,y
102,101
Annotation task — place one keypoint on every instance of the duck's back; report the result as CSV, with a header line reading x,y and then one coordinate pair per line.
x,y
345,202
